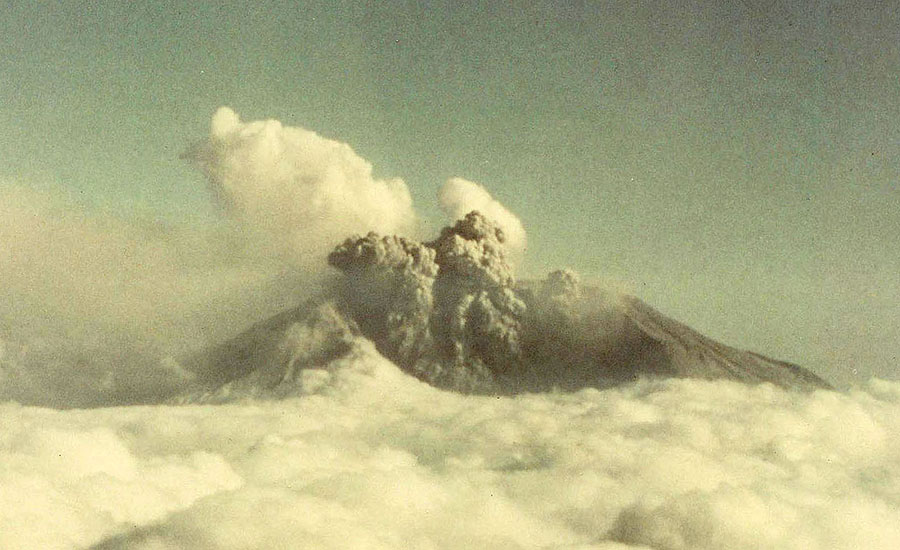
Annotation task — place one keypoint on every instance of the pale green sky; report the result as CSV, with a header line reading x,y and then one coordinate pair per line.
x,y
738,162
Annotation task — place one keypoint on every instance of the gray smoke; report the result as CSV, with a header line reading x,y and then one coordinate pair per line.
x,y
477,316
450,311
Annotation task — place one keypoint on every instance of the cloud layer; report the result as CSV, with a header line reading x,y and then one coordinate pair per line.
x,y
372,458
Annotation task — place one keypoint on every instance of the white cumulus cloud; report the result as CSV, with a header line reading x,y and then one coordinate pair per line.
x,y
302,191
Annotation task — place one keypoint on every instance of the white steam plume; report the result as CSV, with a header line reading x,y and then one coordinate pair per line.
x,y
301,191
458,197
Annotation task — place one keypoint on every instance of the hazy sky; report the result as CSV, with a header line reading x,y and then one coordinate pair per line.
x,y
735,161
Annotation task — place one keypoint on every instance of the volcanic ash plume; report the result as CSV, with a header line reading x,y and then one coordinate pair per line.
x,y
446,310
458,197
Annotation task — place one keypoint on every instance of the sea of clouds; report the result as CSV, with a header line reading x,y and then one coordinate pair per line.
x,y
366,456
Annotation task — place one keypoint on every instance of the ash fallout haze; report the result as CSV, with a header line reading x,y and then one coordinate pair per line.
x,y
450,275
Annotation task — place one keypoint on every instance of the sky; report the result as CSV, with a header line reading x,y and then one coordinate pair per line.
x,y
733,163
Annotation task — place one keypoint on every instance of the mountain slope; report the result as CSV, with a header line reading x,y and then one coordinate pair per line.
x,y
694,355
268,360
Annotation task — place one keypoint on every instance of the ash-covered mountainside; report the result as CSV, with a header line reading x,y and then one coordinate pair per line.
x,y
451,313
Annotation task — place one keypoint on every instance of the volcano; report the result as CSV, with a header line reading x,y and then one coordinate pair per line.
x,y
451,313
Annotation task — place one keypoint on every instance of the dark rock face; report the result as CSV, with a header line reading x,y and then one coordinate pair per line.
x,y
693,355
451,313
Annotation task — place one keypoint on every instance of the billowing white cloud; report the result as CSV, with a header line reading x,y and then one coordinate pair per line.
x,y
458,197
302,191
369,457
